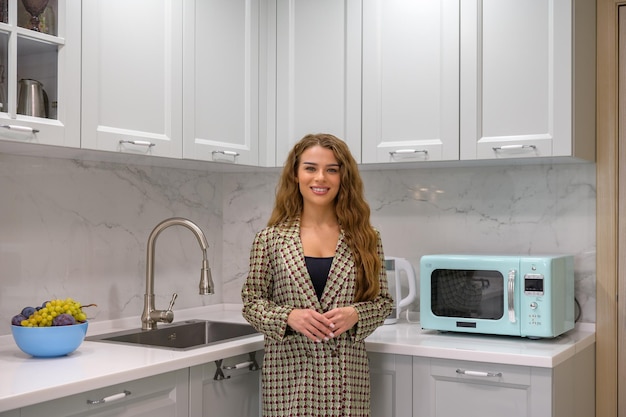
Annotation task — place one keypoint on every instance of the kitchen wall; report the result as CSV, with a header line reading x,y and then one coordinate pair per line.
x,y
79,229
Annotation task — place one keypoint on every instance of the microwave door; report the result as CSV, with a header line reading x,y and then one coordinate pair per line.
x,y
474,300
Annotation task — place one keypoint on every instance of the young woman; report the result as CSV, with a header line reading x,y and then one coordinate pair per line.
x,y
317,286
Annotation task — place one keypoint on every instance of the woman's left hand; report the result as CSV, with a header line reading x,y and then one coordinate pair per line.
x,y
343,319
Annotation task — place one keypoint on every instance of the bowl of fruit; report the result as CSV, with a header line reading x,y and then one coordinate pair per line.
x,y
56,328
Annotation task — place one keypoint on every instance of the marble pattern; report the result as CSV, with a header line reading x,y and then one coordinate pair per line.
x,y
78,228
526,209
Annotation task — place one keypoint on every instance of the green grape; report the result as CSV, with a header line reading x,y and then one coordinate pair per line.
x,y
45,316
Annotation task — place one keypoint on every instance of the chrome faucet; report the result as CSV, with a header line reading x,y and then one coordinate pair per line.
x,y
151,315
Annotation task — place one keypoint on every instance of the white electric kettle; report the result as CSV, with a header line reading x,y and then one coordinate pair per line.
x,y
396,268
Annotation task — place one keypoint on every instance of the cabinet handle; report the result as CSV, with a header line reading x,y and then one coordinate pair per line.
x,y
17,128
225,153
110,398
407,151
250,364
513,147
239,365
479,373
138,143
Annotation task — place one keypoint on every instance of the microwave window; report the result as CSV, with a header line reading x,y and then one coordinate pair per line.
x,y
467,293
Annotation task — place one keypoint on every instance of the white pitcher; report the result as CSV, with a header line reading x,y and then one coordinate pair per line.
x,y
397,268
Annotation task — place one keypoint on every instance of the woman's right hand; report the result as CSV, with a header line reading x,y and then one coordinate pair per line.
x,y
311,324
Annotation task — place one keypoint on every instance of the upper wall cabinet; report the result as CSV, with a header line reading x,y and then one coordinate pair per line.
x,y
318,73
410,80
478,79
527,78
132,76
224,49
40,72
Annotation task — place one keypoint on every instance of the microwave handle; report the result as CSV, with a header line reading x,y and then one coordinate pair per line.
x,y
511,294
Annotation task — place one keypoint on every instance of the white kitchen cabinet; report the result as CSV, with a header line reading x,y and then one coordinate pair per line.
x,y
164,395
318,73
227,387
527,79
478,79
51,56
391,379
410,80
132,76
451,388
224,50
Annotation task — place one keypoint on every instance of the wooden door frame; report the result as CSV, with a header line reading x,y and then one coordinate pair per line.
x,y
607,209
621,208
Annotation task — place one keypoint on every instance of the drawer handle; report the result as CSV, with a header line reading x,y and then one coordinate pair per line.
x,y
138,143
110,398
407,151
479,373
513,147
17,128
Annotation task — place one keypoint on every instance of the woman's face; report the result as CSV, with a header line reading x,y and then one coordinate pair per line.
x,y
318,176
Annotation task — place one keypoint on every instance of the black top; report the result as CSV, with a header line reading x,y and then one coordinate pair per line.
x,y
318,271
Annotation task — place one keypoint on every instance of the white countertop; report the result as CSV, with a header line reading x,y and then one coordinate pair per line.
x,y
26,380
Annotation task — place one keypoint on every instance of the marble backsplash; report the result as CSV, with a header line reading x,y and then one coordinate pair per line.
x,y
79,229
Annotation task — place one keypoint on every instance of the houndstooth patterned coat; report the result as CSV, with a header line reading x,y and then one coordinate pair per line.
x,y
302,378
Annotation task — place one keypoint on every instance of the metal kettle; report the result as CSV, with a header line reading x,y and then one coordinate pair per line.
x,y
32,99
396,269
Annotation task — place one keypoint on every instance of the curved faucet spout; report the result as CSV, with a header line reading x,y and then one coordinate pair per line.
x,y
150,315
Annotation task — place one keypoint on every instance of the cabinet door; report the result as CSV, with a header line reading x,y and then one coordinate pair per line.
x,y
449,388
410,80
222,44
132,76
318,72
51,59
391,385
522,92
228,387
165,395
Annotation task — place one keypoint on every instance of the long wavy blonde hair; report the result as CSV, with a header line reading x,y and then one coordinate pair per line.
x,y
353,212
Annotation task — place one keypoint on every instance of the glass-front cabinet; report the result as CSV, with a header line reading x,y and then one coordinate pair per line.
x,y
40,71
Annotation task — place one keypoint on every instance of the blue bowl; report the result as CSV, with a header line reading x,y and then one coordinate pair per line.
x,y
49,342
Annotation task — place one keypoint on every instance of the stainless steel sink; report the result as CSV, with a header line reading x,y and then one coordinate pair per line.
x,y
184,335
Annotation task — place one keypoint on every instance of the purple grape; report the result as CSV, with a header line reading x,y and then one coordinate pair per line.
x,y
28,311
63,320
17,320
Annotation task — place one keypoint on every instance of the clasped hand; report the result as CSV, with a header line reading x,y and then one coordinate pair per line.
x,y
322,326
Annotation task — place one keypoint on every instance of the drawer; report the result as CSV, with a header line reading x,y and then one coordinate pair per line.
x,y
164,395
480,372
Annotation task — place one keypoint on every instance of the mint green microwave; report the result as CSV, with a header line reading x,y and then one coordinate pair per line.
x,y
527,296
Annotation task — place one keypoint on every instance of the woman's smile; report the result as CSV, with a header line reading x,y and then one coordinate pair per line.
x,y
320,190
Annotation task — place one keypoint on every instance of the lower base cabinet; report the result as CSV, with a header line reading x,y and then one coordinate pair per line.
x,y
452,388
401,386
228,387
391,380
164,395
